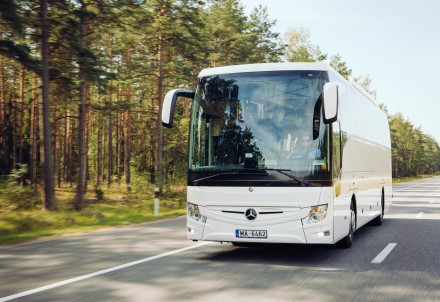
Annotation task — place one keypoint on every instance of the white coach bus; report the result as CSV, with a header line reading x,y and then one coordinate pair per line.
x,y
283,153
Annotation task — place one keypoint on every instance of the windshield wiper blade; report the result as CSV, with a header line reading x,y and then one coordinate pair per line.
x,y
241,172
256,172
213,176
283,171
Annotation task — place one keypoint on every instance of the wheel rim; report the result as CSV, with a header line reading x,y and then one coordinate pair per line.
x,y
352,222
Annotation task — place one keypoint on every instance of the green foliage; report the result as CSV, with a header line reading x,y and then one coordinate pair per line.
x,y
340,66
266,45
21,53
15,196
9,13
414,153
18,197
299,47
225,25
99,193
365,82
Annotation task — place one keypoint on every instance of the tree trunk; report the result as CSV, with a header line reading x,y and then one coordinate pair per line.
x,y
49,185
14,122
33,132
64,149
3,118
86,136
58,148
110,123
127,140
99,146
2,98
117,139
81,173
68,161
21,123
159,128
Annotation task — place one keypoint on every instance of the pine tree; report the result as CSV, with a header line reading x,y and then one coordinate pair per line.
x,y
299,47
266,45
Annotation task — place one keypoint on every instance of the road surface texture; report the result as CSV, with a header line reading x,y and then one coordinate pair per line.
x,y
398,261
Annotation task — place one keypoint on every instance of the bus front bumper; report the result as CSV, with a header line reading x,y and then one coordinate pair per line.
x,y
288,232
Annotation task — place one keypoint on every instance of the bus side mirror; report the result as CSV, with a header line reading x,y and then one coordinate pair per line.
x,y
330,103
169,103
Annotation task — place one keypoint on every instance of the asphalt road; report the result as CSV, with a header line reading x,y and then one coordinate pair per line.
x,y
398,261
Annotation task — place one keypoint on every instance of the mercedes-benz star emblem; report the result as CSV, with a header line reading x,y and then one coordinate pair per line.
x,y
251,214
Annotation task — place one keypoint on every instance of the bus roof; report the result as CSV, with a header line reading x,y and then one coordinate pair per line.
x,y
263,67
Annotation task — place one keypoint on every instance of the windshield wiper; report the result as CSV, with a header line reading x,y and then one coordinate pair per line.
x,y
256,172
283,171
241,172
213,176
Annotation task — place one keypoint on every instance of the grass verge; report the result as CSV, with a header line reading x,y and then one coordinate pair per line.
x,y
118,206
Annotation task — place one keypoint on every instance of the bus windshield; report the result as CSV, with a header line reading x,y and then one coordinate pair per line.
x,y
259,128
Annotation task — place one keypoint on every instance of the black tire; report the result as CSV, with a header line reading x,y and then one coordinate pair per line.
x,y
347,241
379,219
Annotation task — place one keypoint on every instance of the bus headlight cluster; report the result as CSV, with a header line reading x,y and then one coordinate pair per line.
x,y
316,214
194,213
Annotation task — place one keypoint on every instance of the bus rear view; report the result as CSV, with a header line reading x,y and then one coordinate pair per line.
x,y
268,144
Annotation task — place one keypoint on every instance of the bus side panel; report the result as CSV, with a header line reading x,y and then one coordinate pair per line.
x,y
366,158
366,175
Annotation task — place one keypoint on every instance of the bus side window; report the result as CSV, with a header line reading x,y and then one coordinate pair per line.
x,y
336,150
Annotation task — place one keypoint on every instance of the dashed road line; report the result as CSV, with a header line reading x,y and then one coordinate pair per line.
x,y
419,215
384,253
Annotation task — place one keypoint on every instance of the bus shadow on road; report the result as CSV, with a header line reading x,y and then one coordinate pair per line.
x,y
415,238
275,254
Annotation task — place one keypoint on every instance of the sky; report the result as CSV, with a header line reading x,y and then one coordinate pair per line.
x,y
395,42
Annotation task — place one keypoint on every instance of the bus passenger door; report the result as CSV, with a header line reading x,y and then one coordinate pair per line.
x,y
341,204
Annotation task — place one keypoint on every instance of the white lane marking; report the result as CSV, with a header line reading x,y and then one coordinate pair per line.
x,y
382,255
102,272
420,215
431,205
417,184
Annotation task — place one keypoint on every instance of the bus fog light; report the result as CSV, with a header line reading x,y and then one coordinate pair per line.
x,y
316,214
194,213
324,234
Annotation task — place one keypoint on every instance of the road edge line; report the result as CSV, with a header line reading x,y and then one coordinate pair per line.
x,y
98,273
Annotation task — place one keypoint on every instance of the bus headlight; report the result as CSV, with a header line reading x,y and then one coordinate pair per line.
x,y
316,214
194,213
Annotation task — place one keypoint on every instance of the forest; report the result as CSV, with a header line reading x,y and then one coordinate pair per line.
x,y
82,84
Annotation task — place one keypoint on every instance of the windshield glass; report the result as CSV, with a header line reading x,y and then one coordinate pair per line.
x,y
256,122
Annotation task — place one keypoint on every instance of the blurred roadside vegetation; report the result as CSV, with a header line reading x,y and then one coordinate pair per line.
x,y
23,217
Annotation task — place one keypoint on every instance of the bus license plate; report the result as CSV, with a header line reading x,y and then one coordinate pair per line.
x,y
250,234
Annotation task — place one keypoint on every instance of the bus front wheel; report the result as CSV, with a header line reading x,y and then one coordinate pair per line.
x,y
347,241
